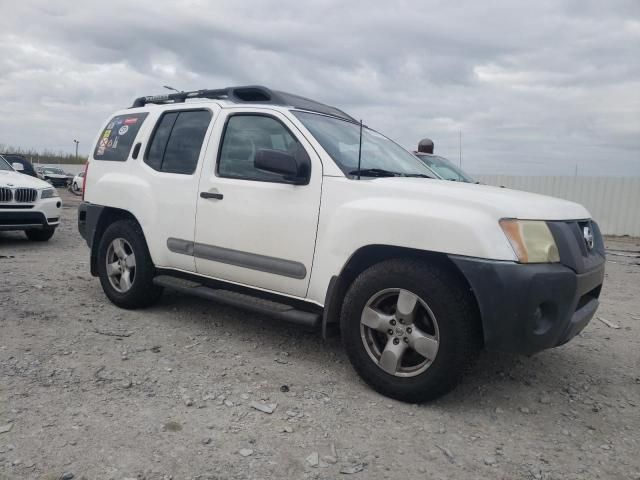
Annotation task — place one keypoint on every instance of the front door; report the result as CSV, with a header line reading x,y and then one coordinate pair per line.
x,y
252,227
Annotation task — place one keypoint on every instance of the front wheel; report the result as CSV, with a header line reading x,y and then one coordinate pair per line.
x,y
410,329
125,267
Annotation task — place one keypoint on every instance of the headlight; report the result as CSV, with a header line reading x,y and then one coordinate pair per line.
x,y
531,240
49,193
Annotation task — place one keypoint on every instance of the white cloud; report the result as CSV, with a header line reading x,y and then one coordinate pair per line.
x,y
535,87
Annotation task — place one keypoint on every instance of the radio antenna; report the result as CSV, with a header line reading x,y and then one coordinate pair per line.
x,y
360,150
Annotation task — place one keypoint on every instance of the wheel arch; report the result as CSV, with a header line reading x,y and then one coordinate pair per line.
x,y
108,216
369,255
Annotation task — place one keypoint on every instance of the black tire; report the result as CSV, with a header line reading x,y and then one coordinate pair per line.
x,y
452,305
143,292
40,234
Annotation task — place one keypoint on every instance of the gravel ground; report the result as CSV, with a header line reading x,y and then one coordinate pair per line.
x,y
89,390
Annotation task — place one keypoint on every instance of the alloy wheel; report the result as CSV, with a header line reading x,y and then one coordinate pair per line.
x,y
399,332
121,265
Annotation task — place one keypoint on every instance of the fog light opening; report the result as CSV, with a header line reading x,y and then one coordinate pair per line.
x,y
544,316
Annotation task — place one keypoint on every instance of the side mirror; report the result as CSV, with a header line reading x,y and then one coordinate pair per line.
x,y
294,169
18,167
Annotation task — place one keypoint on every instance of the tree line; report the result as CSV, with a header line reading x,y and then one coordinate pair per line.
x,y
44,156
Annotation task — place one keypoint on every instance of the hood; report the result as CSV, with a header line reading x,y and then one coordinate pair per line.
x,y
15,179
501,202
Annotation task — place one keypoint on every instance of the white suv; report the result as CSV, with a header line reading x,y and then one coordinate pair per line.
x,y
282,205
27,203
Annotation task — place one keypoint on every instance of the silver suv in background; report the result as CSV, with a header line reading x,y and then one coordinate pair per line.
x,y
440,165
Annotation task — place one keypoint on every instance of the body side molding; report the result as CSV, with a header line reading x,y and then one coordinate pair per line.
x,y
253,261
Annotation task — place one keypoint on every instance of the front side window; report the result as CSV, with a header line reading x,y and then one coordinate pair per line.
x,y
177,141
379,157
244,135
117,138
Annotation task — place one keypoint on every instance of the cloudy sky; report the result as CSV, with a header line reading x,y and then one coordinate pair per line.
x,y
535,87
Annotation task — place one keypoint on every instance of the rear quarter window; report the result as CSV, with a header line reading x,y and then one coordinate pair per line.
x,y
118,136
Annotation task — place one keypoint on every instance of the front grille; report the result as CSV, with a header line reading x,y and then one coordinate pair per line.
x,y
579,250
6,195
26,195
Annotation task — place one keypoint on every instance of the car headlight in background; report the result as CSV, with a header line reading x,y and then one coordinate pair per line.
x,y
49,193
531,240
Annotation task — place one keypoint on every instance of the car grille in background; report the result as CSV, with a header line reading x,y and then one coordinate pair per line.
x,y
19,195
5,195
26,195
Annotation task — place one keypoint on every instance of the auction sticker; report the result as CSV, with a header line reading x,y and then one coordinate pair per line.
x,y
124,129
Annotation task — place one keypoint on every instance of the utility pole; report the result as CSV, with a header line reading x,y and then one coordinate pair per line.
x,y
77,143
460,148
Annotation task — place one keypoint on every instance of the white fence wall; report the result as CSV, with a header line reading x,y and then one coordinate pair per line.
x,y
614,202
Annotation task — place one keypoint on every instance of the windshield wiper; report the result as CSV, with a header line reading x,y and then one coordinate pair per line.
x,y
374,172
416,175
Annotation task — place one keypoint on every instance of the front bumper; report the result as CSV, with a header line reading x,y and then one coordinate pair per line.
x,y
43,214
529,308
57,182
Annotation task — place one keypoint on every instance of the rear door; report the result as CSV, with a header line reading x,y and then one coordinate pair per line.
x,y
172,162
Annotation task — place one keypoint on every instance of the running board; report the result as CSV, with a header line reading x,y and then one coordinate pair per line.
x,y
281,311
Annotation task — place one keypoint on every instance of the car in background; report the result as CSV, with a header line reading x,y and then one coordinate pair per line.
x,y
55,176
444,168
27,204
77,184
440,165
20,163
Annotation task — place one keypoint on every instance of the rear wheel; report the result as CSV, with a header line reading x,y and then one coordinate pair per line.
x,y
124,266
410,329
40,234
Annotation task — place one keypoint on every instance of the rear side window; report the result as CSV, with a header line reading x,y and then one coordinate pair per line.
x,y
177,141
118,136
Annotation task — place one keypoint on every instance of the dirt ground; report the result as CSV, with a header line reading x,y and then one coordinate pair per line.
x,y
91,391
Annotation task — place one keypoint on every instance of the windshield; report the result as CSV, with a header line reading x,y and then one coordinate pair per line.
x,y
380,156
4,165
445,168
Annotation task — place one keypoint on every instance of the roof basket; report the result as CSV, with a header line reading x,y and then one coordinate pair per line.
x,y
242,94
245,94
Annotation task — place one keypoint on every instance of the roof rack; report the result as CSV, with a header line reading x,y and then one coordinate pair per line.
x,y
246,94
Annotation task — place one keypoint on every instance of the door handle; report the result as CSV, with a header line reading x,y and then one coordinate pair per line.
x,y
215,195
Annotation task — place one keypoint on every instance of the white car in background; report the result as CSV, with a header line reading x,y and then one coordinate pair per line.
x,y
28,204
77,184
